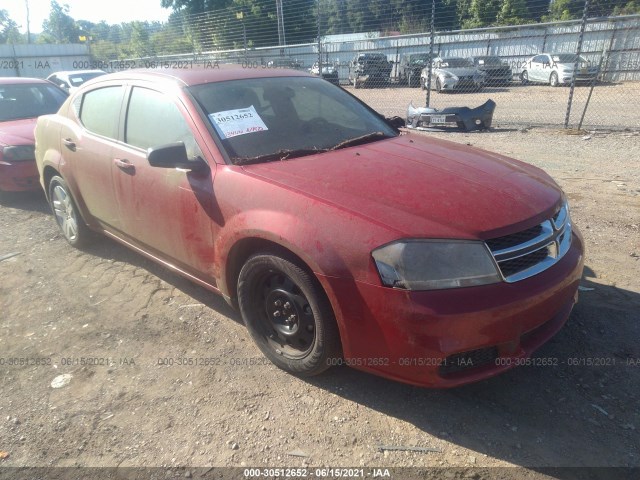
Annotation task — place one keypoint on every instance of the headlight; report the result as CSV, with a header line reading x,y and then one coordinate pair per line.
x,y
435,264
19,153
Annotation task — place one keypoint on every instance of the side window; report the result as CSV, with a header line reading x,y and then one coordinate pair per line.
x,y
154,120
100,111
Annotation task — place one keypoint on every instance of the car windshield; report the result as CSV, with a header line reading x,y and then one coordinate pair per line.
x,y
456,62
489,60
79,79
421,58
266,119
567,58
26,100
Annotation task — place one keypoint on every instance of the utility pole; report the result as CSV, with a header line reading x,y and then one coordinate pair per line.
x,y
432,35
282,41
26,2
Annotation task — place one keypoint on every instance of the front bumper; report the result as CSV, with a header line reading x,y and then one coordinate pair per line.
x,y
458,84
19,176
452,337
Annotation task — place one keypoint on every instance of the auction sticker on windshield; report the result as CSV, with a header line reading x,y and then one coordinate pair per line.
x,y
232,123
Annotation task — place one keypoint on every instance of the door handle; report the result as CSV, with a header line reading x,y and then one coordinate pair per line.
x,y
124,164
70,144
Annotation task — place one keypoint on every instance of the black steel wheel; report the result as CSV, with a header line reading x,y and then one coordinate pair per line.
x,y
287,314
66,213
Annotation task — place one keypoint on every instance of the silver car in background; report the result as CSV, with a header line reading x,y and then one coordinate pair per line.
x,y
453,73
557,69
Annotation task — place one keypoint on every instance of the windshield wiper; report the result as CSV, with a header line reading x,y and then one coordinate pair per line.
x,y
279,155
360,140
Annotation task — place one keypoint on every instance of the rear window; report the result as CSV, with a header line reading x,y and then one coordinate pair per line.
x,y
100,110
29,100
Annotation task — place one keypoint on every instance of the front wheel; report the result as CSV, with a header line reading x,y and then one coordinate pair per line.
x,y
438,86
553,79
287,314
66,212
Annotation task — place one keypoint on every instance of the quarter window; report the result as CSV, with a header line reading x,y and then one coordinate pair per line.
x,y
100,111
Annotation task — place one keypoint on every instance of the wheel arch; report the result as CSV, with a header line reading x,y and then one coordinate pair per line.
x,y
47,174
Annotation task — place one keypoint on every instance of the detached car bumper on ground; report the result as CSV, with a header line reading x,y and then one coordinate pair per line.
x,y
339,239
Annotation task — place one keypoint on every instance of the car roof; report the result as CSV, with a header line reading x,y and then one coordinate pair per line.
x,y
21,80
199,74
76,72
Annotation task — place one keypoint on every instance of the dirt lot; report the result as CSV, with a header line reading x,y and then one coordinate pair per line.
x,y
61,305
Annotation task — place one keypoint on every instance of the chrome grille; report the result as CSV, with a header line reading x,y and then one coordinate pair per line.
x,y
531,251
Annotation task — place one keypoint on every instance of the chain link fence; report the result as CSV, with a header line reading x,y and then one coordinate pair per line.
x,y
581,72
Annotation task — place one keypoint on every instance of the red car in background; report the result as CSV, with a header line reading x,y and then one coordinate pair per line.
x,y
22,100
341,239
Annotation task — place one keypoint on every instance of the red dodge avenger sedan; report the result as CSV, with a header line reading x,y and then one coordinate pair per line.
x,y
21,101
340,239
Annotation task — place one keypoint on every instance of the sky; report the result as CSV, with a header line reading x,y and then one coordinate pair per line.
x,y
111,11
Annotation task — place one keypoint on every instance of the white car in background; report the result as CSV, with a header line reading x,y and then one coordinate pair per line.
x,y
557,69
72,79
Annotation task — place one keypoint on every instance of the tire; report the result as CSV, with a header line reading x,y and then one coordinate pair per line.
x,y
524,77
355,82
66,213
438,86
270,287
553,79
422,84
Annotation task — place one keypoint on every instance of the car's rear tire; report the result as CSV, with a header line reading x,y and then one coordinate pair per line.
x,y
553,79
66,213
288,314
524,77
438,86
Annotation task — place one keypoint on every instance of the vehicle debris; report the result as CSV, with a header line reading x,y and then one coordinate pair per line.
x,y
463,118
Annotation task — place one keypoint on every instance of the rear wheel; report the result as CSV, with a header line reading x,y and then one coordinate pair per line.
x,y
524,77
287,314
66,213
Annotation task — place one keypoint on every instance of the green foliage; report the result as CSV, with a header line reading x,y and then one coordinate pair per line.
x,y
513,12
9,32
59,27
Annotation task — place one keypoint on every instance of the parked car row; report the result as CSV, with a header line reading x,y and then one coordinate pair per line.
x,y
268,188
448,74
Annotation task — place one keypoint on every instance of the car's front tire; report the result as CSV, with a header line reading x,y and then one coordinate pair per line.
x,y
287,314
66,213
553,79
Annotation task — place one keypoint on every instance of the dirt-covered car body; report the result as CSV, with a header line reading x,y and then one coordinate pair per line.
x,y
340,239
21,101
453,74
557,69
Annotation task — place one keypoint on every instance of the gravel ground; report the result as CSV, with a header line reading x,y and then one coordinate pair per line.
x,y
59,306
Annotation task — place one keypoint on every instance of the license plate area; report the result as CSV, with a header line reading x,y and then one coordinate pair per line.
x,y
438,119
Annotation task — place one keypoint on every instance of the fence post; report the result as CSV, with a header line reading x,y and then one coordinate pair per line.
x,y
429,66
319,44
575,65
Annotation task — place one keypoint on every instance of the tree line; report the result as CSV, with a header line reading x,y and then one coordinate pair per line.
x,y
201,25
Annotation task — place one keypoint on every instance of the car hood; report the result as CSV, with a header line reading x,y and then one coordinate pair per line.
x,y
462,71
423,187
17,132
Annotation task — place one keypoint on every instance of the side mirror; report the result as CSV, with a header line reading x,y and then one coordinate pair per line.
x,y
174,155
